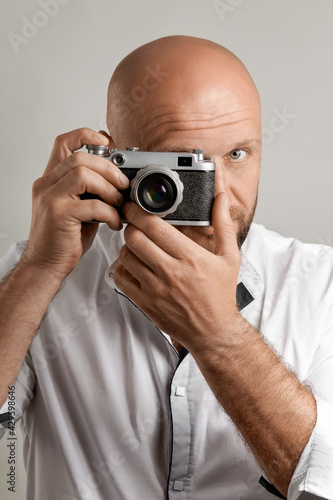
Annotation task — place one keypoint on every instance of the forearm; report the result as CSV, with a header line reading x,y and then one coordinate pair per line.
x,y
24,297
190,294
269,406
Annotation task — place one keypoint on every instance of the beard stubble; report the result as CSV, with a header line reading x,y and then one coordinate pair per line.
x,y
206,239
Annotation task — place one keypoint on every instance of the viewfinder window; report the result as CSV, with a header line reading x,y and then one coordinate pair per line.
x,y
184,161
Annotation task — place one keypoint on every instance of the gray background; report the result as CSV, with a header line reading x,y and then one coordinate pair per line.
x,y
57,77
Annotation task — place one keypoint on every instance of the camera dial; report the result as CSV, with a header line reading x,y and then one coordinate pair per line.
x,y
157,189
98,150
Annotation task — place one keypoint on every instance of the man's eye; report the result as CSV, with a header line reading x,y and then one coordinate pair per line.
x,y
237,154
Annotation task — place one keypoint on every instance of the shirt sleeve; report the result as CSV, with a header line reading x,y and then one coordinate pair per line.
x,y
8,262
313,476
22,390
19,396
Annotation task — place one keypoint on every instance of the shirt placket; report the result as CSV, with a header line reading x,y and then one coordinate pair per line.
x,y
181,432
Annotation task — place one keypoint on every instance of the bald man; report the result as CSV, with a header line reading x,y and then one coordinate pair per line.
x,y
169,362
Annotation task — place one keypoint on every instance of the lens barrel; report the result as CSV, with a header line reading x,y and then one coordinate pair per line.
x,y
157,189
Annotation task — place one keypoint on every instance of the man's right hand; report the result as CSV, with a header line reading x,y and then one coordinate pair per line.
x,y
58,238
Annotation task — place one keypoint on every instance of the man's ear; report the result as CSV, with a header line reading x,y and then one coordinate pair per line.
x,y
111,143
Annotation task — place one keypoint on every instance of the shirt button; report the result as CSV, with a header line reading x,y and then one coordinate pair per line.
x,y
180,391
178,485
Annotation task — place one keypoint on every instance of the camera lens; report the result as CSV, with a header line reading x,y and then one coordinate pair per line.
x,y
118,159
157,189
157,192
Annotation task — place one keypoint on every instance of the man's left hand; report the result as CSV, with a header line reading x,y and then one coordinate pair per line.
x,y
187,291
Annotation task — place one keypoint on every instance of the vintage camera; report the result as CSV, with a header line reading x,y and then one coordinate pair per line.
x,y
179,187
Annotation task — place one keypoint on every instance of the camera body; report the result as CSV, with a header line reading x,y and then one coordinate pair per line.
x,y
178,187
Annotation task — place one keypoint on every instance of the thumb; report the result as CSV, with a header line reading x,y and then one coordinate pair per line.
x,y
224,232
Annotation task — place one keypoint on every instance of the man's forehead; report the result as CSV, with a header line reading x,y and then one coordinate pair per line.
x,y
216,145
227,118
185,98
253,142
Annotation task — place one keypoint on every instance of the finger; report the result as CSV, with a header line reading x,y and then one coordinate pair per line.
x,y
83,180
126,282
224,232
111,143
158,231
138,269
102,166
66,144
145,249
91,210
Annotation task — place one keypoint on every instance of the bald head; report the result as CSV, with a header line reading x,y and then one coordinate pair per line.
x,y
175,74
181,93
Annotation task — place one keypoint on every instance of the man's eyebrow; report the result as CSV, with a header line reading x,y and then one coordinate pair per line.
x,y
251,141
180,150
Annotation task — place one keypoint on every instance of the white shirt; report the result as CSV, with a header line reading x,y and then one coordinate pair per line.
x,y
110,410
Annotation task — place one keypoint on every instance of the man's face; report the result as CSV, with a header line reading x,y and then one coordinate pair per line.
x,y
235,149
223,119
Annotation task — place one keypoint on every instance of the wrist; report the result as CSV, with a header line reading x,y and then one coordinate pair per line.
x,y
222,341
55,266
41,272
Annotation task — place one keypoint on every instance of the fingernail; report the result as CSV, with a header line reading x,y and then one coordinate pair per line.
x,y
104,139
226,203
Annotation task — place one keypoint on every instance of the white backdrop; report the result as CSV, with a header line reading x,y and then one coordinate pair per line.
x,y
58,56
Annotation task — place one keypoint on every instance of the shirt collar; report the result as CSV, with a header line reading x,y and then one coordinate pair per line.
x,y
249,283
